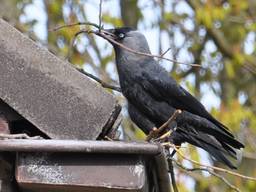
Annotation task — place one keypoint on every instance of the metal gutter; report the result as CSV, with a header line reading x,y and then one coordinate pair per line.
x,y
24,145
107,147
162,170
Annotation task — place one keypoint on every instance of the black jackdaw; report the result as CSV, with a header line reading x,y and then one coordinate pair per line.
x,y
153,96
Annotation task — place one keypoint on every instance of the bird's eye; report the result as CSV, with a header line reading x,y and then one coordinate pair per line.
x,y
121,35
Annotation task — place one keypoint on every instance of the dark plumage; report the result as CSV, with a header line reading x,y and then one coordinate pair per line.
x,y
153,96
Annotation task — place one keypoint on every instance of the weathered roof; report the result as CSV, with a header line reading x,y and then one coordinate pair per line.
x,y
49,92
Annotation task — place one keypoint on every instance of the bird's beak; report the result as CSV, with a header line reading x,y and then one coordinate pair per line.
x,y
106,34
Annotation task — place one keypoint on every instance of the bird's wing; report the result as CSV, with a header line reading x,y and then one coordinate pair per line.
x,y
161,86
166,87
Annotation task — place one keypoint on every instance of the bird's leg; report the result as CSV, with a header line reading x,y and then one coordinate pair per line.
x,y
18,136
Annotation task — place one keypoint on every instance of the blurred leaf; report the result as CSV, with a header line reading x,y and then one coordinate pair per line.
x,y
230,69
234,114
112,20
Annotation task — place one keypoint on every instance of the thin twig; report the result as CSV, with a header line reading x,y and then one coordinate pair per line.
x,y
156,131
209,166
121,45
172,118
165,135
166,52
100,16
141,53
204,169
70,50
74,24
103,84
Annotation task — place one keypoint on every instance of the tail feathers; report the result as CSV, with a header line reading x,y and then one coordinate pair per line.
x,y
220,125
219,156
229,141
210,144
211,129
231,151
221,146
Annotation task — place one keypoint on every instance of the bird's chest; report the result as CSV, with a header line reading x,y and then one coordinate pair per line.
x,y
133,88
143,101
130,81
155,110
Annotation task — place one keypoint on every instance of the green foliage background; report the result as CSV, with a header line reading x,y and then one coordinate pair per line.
x,y
227,25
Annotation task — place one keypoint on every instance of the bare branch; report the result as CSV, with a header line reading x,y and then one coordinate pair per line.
x,y
70,50
172,118
209,166
170,160
121,45
156,131
100,16
103,84
74,24
141,53
167,50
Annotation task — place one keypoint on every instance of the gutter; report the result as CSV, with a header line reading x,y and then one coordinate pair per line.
x,y
107,147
